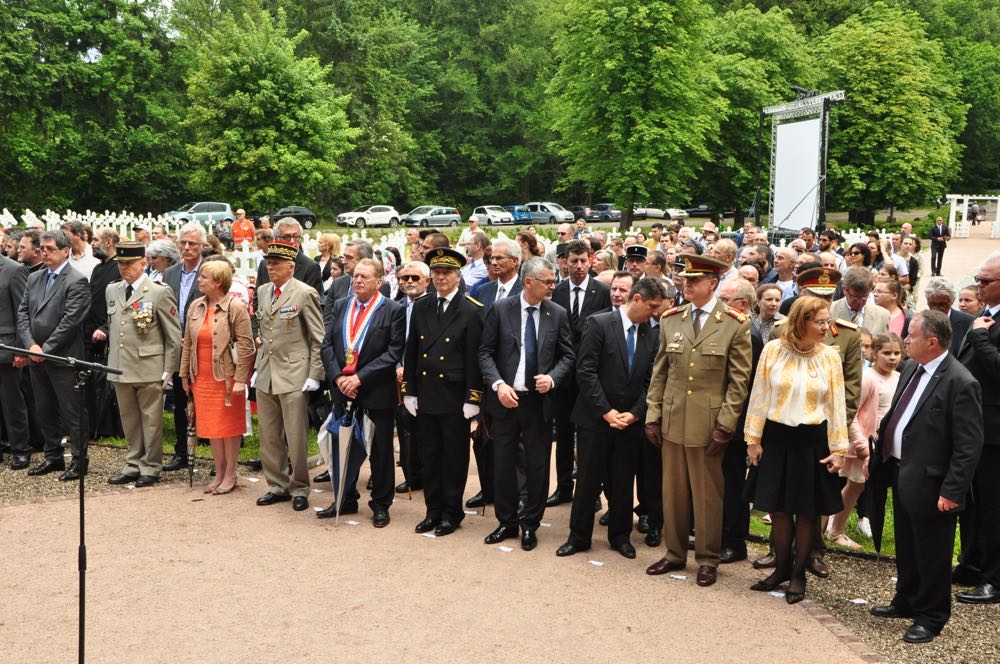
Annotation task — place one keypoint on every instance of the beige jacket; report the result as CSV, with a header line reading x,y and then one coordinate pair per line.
x,y
230,323
291,335
144,332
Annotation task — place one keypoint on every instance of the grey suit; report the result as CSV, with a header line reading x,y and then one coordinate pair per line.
x,y
13,279
875,318
54,321
172,278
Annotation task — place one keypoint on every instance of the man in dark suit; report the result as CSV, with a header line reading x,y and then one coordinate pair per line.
x,y
362,347
928,445
50,320
95,337
504,263
580,295
443,387
354,251
980,354
13,279
183,280
527,350
413,278
940,295
614,363
940,234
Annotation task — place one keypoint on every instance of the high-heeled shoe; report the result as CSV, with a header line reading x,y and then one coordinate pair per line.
x,y
769,584
794,597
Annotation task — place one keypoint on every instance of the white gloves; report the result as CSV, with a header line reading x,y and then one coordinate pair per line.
x,y
470,410
311,385
410,403
168,381
253,379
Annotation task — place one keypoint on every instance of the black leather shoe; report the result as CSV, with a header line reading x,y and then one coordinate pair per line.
x,y
146,480
818,567
765,562
604,519
370,485
122,478
918,634
445,528
178,463
888,611
20,461
569,548
255,464
986,593
406,487
322,477
331,511
426,525
271,498
558,498
476,501
300,503
380,519
643,525
73,472
597,506
46,467
654,537
662,566
500,534
528,539
626,549
730,555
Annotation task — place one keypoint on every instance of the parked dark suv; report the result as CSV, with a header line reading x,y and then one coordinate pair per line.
x,y
303,215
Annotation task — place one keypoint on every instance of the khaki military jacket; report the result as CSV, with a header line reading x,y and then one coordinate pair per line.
x,y
699,382
144,332
291,337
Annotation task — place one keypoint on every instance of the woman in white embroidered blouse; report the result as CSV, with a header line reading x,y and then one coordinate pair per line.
x,y
796,433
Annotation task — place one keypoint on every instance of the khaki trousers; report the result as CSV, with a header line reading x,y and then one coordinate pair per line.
x,y
141,407
689,476
284,434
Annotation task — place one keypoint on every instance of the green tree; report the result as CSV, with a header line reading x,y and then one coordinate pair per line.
x,y
893,141
266,127
635,98
760,56
979,63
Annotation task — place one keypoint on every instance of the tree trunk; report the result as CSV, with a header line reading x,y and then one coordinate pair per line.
x,y
861,217
626,220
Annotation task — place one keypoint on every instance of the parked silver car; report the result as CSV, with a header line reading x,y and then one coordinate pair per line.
x,y
492,214
548,213
432,215
202,212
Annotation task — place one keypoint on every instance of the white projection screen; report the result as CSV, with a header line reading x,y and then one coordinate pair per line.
x,y
796,174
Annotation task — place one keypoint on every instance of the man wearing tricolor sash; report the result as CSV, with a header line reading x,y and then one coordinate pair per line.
x,y
363,344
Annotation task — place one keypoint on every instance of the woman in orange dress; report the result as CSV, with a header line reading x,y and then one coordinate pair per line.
x,y
216,357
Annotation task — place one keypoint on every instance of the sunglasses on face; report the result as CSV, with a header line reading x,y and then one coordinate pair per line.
x,y
409,277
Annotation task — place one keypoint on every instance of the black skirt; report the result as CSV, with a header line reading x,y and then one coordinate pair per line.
x,y
789,477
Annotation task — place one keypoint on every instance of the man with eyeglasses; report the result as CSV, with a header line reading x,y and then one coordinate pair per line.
x,y
289,230
980,354
855,307
50,320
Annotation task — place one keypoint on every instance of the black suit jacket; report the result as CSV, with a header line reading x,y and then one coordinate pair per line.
x,y
487,293
500,350
441,366
13,280
97,318
603,376
380,352
597,298
960,324
980,354
942,441
936,235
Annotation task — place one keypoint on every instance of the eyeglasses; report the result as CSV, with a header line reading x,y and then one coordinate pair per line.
x,y
547,282
408,277
288,237
979,280
47,249
855,253
822,323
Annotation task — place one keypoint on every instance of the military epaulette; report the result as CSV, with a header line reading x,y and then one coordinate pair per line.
x,y
846,324
671,312
779,322
473,300
741,317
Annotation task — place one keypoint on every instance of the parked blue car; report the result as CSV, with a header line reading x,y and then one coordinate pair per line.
x,y
522,215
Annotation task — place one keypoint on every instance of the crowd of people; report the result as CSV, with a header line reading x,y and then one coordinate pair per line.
x,y
683,375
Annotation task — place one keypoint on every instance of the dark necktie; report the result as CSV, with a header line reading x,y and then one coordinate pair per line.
x,y
530,350
630,346
897,413
697,321
128,292
48,284
575,309
441,302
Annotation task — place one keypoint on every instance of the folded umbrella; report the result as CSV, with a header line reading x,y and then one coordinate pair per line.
x,y
192,440
349,446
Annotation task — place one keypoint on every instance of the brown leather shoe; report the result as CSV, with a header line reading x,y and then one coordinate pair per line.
x,y
706,576
662,566
765,562
818,567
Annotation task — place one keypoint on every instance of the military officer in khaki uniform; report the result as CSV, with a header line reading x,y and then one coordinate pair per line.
x,y
700,380
289,365
844,336
144,341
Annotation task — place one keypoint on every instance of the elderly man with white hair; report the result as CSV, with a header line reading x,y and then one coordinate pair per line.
x,y
940,295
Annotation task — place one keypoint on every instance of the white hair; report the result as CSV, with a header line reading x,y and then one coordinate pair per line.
x,y
193,227
513,247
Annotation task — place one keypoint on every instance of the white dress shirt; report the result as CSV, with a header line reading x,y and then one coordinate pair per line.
x,y
582,294
447,300
904,419
706,311
520,380
503,289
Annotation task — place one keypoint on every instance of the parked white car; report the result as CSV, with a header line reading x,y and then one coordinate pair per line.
x,y
370,215
548,213
653,212
493,214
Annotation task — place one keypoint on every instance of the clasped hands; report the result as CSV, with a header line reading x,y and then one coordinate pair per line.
x,y
508,396
618,420
348,385
21,361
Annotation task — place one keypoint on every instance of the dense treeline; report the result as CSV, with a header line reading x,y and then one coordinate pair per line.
x,y
334,103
